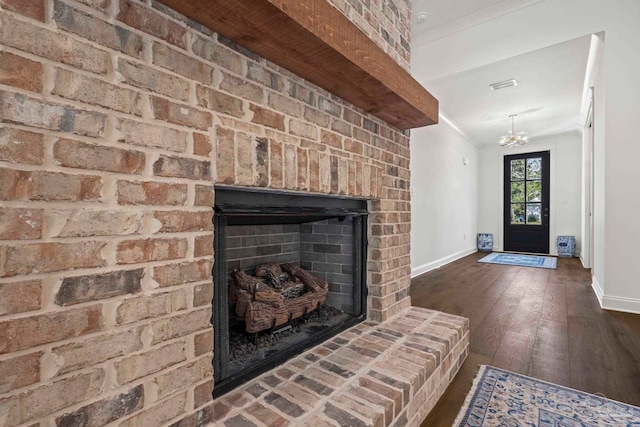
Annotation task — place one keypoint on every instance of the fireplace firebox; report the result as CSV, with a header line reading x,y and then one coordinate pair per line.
x,y
289,273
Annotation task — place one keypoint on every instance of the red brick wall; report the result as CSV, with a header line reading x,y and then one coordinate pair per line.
x,y
118,117
386,22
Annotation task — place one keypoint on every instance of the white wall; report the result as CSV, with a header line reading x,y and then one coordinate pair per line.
x,y
444,204
565,189
617,151
621,273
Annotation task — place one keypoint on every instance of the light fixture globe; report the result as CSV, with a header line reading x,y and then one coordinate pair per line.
x,y
513,139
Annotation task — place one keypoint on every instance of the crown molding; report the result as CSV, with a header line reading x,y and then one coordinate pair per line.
x,y
501,9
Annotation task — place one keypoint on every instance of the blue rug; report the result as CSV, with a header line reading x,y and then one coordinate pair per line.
x,y
521,260
503,398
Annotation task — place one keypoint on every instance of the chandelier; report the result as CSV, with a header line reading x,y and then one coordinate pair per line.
x,y
513,139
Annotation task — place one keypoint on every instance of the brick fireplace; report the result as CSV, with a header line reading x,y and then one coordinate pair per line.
x,y
119,118
262,235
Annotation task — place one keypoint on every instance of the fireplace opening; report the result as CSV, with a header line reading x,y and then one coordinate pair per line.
x,y
289,273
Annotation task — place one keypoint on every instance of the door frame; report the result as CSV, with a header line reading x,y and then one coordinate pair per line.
x,y
587,249
546,178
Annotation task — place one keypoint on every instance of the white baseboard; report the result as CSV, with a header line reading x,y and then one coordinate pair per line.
x,y
421,269
627,305
584,264
597,289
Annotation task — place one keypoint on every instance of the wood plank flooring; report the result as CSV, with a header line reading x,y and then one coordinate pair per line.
x,y
543,323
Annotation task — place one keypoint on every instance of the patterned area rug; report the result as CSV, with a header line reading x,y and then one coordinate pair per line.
x,y
503,398
521,260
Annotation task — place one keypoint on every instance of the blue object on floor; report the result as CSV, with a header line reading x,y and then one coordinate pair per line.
x,y
521,260
485,242
566,246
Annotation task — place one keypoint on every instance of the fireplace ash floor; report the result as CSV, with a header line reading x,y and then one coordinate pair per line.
x,y
244,352
388,374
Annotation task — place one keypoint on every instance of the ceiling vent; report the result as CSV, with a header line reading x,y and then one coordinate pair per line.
x,y
504,84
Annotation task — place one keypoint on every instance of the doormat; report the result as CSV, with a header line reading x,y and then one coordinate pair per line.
x,y
521,260
503,398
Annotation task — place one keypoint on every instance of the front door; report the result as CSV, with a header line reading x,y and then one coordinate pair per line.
x,y
526,202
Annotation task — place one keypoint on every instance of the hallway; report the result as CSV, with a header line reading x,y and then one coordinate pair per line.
x,y
543,323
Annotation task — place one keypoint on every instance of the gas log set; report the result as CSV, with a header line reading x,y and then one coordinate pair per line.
x,y
276,295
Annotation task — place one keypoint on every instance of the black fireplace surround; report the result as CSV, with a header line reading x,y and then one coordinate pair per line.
x,y
326,235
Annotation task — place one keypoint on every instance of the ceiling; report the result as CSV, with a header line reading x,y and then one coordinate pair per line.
x,y
448,16
547,98
444,12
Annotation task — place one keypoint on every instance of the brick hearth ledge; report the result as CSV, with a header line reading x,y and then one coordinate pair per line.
x,y
387,374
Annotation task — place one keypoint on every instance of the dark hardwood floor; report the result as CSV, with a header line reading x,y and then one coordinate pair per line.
x,y
543,323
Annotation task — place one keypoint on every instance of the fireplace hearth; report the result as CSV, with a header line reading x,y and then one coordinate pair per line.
x,y
289,273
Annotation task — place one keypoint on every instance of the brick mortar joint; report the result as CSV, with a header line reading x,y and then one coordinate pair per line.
x,y
102,141
106,330
92,108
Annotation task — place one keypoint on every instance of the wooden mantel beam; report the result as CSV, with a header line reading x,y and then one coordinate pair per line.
x,y
315,41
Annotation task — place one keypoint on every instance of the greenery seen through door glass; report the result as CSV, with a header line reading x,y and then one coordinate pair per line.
x,y
517,170
534,191
517,213
534,213
534,168
526,191
517,191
